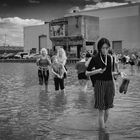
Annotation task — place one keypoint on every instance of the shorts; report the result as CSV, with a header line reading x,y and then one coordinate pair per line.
x,y
83,76
43,76
138,63
132,63
59,83
104,94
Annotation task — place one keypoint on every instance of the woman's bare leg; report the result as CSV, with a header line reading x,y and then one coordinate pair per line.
x,y
101,119
85,82
46,88
106,115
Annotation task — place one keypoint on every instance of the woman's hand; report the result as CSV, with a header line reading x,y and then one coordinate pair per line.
x,y
101,70
60,76
123,74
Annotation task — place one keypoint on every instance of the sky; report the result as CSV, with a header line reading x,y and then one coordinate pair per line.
x,y
16,14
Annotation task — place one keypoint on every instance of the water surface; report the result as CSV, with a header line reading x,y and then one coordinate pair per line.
x,y
28,113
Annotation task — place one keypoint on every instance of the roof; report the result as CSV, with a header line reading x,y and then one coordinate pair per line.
x,y
107,12
120,6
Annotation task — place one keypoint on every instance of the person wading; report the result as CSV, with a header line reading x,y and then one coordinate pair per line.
x,y
43,64
100,67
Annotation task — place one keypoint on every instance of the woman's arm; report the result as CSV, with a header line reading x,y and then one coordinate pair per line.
x,y
37,62
91,68
64,69
93,72
55,73
64,62
117,67
49,60
88,61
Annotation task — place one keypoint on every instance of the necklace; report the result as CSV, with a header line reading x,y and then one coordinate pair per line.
x,y
105,62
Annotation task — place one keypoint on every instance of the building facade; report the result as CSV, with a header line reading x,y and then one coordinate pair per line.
x,y
120,24
74,33
36,37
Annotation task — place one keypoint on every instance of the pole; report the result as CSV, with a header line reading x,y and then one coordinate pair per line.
x,y
5,43
5,40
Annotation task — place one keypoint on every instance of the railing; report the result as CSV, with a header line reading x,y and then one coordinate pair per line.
x,y
69,60
72,60
17,60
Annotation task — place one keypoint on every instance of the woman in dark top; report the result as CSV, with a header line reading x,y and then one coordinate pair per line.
x,y
43,64
100,69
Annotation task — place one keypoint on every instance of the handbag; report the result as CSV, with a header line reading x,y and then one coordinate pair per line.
x,y
124,85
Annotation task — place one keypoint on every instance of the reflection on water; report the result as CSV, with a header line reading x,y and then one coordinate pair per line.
x,y
26,112
103,135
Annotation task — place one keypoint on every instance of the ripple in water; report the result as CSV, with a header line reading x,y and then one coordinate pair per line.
x,y
28,113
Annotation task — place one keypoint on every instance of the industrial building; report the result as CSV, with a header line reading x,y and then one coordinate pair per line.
x,y
74,33
36,37
80,30
120,24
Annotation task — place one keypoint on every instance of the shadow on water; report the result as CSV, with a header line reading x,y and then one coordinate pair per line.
x,y
82,100
51,104
103,135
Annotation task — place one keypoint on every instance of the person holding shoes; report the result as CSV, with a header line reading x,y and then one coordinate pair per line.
x,y
100,68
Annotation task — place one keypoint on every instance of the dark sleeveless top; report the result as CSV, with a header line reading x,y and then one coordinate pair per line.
x,y
43,63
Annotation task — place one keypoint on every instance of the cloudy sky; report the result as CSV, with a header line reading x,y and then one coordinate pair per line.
x,y
15,14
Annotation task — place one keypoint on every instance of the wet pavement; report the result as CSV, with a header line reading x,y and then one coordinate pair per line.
x,y
28,113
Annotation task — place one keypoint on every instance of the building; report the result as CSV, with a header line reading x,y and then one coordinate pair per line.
x,y
74,33
36,37
120,24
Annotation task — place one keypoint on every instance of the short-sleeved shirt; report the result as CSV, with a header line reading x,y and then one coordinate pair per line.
x,y
80,67
97,63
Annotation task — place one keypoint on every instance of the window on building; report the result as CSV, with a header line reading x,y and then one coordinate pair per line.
x,y
90,47
72,52
117,46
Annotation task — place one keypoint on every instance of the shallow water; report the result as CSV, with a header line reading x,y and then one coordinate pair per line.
x,y
28,113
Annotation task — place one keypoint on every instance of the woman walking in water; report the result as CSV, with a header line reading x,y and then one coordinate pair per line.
x,y
61,59
61,56
43,64
58,71
81,70
100,67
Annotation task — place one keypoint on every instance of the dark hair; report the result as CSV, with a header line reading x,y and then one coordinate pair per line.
x,y
110,52
101,42
94,52
88,55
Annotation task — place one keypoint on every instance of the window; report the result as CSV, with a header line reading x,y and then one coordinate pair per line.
x,y
117,46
